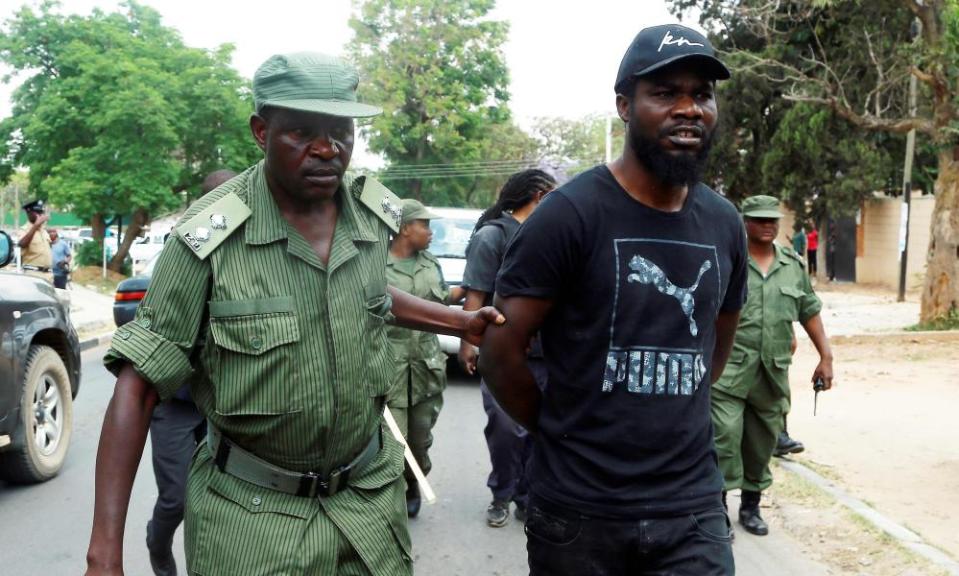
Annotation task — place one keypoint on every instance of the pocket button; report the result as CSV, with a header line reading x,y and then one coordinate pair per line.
x,y
256,342
256,501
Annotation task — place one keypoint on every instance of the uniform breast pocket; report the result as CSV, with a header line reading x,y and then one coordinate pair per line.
x,y
790,301
254,370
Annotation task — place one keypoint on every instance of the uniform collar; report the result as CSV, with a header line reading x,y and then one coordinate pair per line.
x,y
267,225
779,260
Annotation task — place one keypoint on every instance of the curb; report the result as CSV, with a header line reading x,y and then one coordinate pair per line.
x,y
93,342
900,533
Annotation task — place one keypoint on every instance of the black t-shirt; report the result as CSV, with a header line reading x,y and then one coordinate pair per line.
x,y
625,427
484,254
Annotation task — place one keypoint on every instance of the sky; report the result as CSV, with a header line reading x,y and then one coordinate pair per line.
x,y
562,56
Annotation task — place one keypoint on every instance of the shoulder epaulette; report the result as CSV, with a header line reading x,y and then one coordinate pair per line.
x,y
788,251
209,227
386,205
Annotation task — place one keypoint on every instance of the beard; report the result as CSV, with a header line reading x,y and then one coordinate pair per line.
x,y
672,169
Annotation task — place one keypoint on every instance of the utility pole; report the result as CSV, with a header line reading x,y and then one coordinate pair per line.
x,y
609,139
916,30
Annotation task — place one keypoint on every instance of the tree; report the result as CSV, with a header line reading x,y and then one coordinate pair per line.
x,y
117,116
437,69
856,62
577,144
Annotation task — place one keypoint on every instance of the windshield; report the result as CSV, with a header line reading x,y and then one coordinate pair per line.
x,y
450,237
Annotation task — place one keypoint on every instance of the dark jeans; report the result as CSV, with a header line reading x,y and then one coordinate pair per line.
x,y
561,542
176,428
510,446
60,281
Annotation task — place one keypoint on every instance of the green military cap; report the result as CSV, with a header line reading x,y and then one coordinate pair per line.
x,y
310,82
414,210
761,207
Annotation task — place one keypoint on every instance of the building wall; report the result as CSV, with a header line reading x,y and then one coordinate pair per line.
x,y
877,259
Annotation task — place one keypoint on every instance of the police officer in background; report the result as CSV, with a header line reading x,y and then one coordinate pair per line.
x,y
271,298
751,398
419,375
36,257
175,430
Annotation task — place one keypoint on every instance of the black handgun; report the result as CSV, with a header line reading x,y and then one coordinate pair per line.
x,y
818,386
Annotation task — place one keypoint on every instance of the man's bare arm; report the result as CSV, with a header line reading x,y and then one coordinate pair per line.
x,y
419,314
817,333
122,437
468,354
27,237
502,359
726,323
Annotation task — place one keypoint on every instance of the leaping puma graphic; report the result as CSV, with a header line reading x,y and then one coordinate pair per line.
x,y
646,272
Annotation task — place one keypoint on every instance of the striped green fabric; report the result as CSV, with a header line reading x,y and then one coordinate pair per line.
x,y
291,361
419,369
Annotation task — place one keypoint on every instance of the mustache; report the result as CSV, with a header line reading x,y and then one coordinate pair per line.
x,y
696,129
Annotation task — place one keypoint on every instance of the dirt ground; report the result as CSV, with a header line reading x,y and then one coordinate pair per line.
x,y
888,432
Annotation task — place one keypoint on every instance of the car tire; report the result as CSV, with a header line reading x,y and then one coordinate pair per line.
x,y
46,421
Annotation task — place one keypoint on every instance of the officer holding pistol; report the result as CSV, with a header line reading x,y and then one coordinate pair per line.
x,y
751,398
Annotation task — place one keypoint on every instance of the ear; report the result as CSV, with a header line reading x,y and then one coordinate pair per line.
x,y
622,107
259,127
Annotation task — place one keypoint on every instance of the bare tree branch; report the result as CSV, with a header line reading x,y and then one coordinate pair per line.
x,y
869,122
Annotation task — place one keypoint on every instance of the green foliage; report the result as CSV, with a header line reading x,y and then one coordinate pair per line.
x,y
116,114
576,144
90,253
437,69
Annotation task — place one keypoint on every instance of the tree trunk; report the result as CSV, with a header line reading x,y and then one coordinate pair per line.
x,y
98,227
133,230
940,293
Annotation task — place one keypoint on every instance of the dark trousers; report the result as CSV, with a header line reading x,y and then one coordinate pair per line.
x,y
510,446
561,542
813,265
60,281
175,430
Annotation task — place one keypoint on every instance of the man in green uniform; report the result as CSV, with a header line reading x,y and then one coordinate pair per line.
x,y
271,299
751,397
419,375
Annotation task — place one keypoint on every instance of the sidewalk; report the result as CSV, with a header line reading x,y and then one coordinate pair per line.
x,y
90,312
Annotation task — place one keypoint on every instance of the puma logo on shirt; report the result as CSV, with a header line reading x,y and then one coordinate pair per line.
x,y
646,272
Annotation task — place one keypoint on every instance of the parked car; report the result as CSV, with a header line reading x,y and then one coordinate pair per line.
x,y
451,234
39,375
130,292
146,247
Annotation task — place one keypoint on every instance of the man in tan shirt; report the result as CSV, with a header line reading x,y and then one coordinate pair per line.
x,y
35,254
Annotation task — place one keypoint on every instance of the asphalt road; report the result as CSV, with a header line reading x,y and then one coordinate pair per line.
x,y
45,529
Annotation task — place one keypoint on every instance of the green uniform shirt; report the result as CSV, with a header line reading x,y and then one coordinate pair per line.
x,y
419,363
289,357
776,300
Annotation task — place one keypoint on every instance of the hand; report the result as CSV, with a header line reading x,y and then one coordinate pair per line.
x,y
41,219
824,370
477,321
468,356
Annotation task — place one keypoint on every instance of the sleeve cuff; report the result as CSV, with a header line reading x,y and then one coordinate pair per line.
x,y
161,362
811,311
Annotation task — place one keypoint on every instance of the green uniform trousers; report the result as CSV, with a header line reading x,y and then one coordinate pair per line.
x,y
234,528
416,422
746,431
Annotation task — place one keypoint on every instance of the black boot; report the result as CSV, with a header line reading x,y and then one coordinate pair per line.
x,y
413,500
160,546
749,514
786,445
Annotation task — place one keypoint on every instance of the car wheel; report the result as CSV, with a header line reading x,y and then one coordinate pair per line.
x,y
46,420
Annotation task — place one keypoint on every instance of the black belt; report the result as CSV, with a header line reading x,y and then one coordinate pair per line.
x,y
235,461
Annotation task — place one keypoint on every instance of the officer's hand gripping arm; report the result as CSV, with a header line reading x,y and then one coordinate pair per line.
x,y
420,314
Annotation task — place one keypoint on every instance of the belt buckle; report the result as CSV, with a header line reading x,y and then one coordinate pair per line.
x,y
336,481
310,485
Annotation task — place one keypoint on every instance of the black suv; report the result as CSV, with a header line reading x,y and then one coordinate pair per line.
x,y
39,375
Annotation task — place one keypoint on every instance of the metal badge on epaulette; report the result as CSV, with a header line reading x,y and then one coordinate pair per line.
x,y
211,226
386,205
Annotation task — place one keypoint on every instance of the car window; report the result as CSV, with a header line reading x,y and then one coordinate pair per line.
x,y
151,264
450,237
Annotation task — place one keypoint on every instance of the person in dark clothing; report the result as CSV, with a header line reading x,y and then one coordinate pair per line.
x,y
175,430
633,273
509,444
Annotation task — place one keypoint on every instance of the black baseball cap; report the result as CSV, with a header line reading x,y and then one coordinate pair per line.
x,y
659,46
34,206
